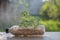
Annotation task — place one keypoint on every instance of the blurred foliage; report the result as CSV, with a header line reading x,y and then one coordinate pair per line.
x,y
51,25
27,20
50,15
51,9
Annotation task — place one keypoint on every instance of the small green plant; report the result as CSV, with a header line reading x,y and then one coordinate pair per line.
x,y
27,20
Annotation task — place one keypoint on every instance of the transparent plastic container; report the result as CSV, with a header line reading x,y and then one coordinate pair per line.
x,y
40,30
42,27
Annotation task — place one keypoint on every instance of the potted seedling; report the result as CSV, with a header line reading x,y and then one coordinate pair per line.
x,y
28,25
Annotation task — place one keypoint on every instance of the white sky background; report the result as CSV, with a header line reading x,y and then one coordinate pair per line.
x,y
44,0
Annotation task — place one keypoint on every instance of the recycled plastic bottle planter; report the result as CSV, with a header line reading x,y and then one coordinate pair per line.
x,y
40,30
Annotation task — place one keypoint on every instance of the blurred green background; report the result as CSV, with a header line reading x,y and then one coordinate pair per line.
x,y
49,15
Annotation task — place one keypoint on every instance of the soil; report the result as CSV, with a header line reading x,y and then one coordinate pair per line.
x,y
28,32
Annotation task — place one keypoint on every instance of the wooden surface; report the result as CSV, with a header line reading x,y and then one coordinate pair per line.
x,y
47,36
